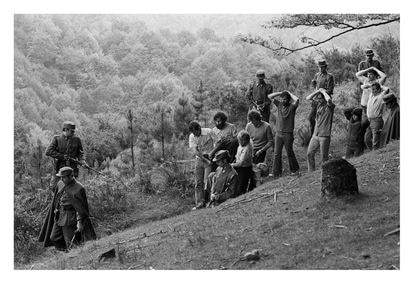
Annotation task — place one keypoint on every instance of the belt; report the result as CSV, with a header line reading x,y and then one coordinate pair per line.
x,y
67,207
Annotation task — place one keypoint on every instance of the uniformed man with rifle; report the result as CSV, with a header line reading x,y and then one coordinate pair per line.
x,y
257,95
67,151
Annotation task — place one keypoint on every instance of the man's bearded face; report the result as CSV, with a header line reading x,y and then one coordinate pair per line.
x,y
219,123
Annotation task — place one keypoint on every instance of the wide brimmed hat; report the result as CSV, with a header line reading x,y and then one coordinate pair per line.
x,y
222,154
65,171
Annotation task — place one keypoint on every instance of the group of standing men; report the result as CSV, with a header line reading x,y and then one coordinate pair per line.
x,y
241,172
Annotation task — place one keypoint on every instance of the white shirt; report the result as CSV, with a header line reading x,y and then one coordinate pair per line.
x,y
244,156
204,143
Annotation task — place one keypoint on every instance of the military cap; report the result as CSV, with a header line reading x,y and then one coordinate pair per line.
x,y
357,111
69,125
222,154
322,63
65,171
369,52
260,73
389,98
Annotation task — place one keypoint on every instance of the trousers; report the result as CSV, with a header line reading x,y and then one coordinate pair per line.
x,y
316,142
375,125
286,140
202,170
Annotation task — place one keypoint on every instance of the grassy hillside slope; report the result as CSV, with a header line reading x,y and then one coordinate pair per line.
x,y
285,219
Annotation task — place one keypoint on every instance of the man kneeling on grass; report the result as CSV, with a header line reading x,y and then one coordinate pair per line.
x,y
221,184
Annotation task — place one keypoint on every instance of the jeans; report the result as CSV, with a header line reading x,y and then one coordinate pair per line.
x,y
202,170
316,142
376,124
286,139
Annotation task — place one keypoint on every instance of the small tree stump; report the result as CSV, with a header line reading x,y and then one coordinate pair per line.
x,y
338,178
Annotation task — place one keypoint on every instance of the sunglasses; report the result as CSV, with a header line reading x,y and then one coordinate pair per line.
x,y
67,129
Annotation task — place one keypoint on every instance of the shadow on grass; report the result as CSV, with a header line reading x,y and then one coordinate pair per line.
x,y
341,202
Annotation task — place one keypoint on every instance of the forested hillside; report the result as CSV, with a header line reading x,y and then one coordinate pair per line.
x,y
94,69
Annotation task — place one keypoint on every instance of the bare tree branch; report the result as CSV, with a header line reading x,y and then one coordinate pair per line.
x,y
345,22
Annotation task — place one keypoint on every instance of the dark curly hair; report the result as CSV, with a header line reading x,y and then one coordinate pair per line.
x,y
220,115
194,125
254,115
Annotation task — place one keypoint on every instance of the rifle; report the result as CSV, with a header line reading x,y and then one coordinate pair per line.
x,y
257,106
86,166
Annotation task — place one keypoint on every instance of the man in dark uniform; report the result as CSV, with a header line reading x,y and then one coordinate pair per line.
x,y
257,95
322,80
67,221
63,148
221,184
391,128
369,62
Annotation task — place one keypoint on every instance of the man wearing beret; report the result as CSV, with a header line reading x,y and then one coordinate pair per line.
x,y
322,80
391,129
221,184
257,95
369,62
64,148
67,221
355,139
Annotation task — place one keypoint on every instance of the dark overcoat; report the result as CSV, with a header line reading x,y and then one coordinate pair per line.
x,y
77,196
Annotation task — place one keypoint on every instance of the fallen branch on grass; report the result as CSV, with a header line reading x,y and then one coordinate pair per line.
x,y
263,195
392,232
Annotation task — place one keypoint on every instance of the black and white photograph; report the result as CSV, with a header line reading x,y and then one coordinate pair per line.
x,y
212,141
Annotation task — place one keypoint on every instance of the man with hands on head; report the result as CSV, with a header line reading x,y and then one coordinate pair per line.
x,y
321,137
322,80
286,104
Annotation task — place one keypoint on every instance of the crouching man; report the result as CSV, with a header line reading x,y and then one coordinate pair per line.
x,y
221,184
67,221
